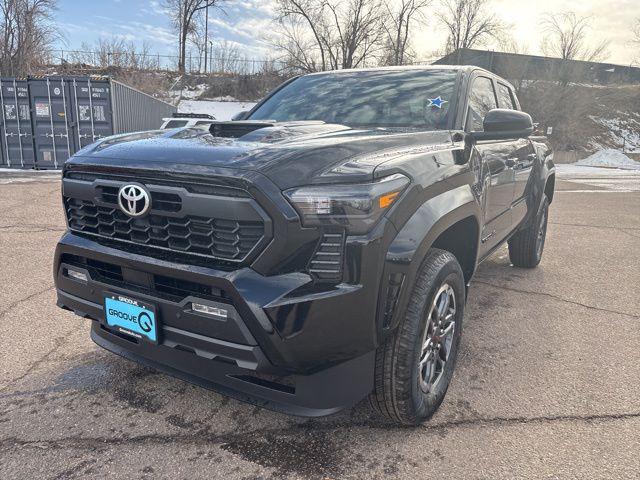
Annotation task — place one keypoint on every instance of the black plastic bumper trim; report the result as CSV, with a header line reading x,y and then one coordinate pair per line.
x,y
319,394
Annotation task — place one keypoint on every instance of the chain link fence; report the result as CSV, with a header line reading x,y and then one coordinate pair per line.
x,y
195,64
228,63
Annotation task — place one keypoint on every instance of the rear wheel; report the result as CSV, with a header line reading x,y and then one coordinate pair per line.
x,y
415,366
527,245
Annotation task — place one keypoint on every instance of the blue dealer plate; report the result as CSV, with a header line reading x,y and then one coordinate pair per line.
x,y
131,317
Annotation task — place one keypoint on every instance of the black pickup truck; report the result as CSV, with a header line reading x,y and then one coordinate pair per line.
x,y
316,251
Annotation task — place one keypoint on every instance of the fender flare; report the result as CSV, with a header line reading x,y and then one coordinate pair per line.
x,y
408,249
431,219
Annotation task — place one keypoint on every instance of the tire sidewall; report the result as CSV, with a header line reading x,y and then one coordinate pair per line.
x,y
543,215
425,404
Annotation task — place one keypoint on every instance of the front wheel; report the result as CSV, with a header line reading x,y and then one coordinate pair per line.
x,y
415,366
527,245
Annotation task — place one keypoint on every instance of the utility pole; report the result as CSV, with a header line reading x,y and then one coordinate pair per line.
x,y
206,36
210,52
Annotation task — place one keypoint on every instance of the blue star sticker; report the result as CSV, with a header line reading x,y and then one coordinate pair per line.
x,y
436,102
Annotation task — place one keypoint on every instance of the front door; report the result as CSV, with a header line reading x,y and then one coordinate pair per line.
x,y
497,192
496,175
521,159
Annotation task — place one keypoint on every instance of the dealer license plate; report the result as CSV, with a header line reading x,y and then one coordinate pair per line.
x,y
131,317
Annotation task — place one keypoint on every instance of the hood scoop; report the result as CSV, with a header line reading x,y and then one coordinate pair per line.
x,y
236,129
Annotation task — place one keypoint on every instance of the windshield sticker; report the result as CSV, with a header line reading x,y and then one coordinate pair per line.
x,y
436,102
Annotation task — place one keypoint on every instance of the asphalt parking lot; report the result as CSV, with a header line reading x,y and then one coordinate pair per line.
x,y
547,385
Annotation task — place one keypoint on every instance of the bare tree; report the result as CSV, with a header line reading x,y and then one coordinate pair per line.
x,y
27,34
297,50
358,28
469,24
198,39
397,25
183,13
567,37
226,57
116,53
508,44
329,34
296,17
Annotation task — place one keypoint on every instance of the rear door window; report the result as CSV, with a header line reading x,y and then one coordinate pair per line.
x,y
482,98
505,97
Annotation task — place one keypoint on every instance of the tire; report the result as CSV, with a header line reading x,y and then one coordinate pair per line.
x,y
400,391
527,245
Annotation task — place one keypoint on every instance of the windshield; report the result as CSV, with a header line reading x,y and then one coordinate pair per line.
x,y
402,98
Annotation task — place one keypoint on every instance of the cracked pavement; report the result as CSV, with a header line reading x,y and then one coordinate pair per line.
x,y
546,384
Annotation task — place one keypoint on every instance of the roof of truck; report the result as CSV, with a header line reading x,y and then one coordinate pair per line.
x,y
465,68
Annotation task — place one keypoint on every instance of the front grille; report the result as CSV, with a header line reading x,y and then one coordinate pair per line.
x,y
225,239
166,202
183,288
188,218
169,288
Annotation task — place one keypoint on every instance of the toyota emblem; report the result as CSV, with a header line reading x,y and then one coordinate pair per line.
x,y
134,200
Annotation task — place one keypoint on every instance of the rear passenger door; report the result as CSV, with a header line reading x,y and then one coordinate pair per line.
x,y
521,159
496,176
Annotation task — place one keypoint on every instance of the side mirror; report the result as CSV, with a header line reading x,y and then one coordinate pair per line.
x,y
501,123
240,116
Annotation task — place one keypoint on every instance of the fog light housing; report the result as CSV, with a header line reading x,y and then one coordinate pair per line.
x,y
209,310
77,275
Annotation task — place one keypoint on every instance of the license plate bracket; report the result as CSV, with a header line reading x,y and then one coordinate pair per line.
x,y
131,317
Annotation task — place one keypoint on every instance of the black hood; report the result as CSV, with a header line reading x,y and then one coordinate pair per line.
x,y
290,154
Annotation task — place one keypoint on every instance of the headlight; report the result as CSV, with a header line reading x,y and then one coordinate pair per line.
x,y
355,206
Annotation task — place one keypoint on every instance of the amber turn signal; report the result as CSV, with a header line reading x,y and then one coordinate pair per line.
x,y
388,199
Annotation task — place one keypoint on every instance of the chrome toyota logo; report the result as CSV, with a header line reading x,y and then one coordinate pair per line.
x,y
134,200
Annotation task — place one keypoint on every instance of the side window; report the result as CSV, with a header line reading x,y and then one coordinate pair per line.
x,y
481,99
505,97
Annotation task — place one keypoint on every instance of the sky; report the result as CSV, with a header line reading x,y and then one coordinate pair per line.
x,y
247,23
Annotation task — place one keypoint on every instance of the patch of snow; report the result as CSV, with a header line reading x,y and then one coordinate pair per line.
x,y
609,158
189,93
624,131
225,98
220,110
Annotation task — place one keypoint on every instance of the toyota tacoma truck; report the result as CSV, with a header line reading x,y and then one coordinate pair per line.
x,y
316,251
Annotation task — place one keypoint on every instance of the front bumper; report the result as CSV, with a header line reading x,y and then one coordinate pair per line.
x,y
284,344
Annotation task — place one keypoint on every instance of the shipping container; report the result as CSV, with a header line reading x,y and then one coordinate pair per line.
x,y
16,133
45,120
92,110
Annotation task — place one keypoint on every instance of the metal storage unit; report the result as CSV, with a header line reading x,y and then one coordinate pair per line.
x,y
52,121
136,111
92,110
45,120
16,133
